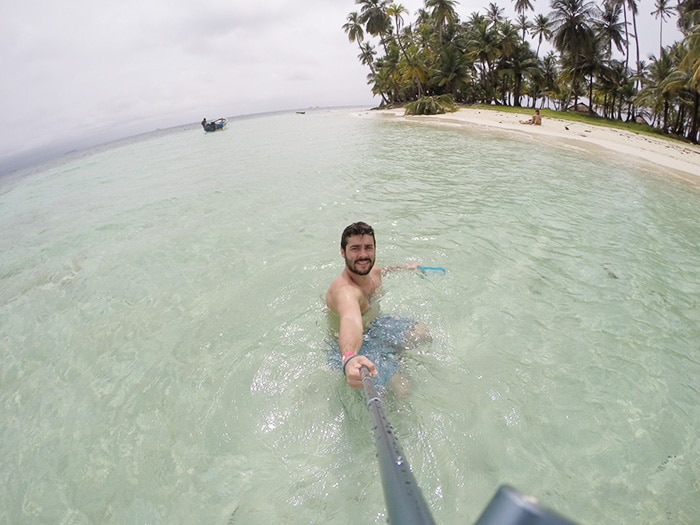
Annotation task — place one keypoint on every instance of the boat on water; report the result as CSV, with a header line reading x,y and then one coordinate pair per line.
x,y
215,125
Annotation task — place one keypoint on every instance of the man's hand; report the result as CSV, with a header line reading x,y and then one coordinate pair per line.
x,y
352,370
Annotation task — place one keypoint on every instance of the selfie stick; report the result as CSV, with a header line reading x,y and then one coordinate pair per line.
x,y
404,502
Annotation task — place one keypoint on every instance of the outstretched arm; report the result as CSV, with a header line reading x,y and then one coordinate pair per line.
x,y
410,266
350,336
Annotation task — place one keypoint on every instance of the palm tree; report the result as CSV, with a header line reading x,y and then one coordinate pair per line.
x,y
623,5
373,16
442,13
354,28
680,83
508,43
453,74
523,24
609,29
396,11
591,64
573,34
542,29
612,80
549,74
690,65
632,4
356,33
414,71
652,94
523,5
520,7
521,63
494,13
662,12
482,50
686,19
475,19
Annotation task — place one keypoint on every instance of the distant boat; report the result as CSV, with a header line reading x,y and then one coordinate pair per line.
x,y
301,112
215,125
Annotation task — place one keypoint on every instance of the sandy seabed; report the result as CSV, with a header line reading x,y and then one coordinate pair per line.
x,y
667,156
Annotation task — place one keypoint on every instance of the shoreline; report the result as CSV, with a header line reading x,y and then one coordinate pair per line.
x,y
665,157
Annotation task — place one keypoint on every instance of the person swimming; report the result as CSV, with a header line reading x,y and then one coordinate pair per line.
x,y
364,337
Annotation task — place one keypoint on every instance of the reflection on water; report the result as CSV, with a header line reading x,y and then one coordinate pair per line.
x,y
163,333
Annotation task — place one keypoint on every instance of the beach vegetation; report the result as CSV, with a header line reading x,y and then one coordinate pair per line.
x,y
416,61
431,105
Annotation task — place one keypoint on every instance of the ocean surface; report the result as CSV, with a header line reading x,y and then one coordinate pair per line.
x,y
164,338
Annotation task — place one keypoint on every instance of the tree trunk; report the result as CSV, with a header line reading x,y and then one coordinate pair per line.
x,y
693,135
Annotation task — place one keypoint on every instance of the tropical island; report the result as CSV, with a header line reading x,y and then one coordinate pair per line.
x,y
438,62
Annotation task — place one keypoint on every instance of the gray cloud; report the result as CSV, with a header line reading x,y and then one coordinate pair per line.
x,y
94,71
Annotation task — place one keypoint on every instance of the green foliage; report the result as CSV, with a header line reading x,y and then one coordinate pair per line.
x,y
488,59
431,106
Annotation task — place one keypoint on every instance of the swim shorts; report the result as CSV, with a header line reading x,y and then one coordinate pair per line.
x,y
380,343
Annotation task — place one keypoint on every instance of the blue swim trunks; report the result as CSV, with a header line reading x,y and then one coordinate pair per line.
x,y
380,343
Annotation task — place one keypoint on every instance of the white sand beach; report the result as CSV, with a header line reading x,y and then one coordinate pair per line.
x,y
671,157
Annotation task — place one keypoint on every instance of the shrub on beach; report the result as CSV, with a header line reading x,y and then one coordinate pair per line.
x,y
431,105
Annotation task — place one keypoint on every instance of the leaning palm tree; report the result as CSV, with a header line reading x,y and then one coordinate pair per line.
x,y
396,12
355,32
354,28
366,56
373,16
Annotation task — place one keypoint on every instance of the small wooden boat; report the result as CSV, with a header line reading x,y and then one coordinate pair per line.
x,y
216,125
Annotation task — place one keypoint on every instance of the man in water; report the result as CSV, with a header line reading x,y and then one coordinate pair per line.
x,y
352,299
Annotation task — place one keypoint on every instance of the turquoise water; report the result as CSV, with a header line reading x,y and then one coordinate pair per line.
x,y
163,330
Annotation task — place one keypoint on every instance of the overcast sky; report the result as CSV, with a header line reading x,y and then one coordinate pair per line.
x,y
80,72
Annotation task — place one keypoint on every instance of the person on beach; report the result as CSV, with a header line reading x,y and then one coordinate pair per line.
x,y
536,119
364,338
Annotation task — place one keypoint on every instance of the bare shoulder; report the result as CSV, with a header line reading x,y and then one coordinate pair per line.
x,y
341,290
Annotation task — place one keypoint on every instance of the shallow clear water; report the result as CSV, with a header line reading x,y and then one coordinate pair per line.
x,y
163,334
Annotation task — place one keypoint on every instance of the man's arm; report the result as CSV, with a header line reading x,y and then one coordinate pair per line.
x,y
347,302
410,266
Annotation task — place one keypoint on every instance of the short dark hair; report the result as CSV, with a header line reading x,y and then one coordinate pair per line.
x,y
356,228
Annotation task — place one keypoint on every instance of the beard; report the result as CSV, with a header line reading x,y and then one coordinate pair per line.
x,y
352,266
